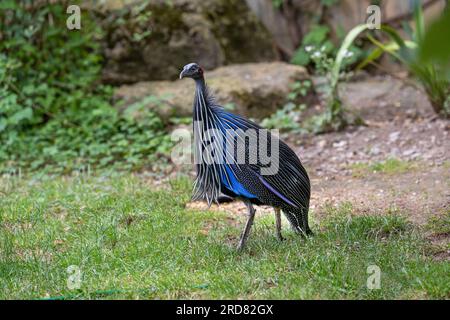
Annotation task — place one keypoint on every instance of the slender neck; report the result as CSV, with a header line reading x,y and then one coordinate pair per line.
x,y
200,100
200,85
201,92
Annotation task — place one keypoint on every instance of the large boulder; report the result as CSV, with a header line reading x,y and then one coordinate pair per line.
x,y
254,90
153,40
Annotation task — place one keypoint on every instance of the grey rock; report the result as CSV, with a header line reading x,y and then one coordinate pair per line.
x,y
254,90
212,33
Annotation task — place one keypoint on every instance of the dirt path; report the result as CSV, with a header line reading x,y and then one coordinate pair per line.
x,y
400,125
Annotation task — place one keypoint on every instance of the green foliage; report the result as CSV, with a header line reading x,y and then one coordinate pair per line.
x,y
332,119
54,114
316,44
431,69
102,138
136,18
322,60
277,3
435,46
317,37
288,118
335,116
319,51
342,54
299,88
44,67
328,3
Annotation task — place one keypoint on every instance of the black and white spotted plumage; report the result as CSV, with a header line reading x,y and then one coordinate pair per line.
x,y
287,188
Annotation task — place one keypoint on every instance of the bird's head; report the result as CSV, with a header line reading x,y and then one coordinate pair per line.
x,y
192,70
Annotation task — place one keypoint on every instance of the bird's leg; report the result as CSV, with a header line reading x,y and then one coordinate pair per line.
x,y
278,223
248,225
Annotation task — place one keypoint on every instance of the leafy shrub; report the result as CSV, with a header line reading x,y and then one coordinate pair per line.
x,y
44,67
421,55
318,40
288,117
55,116
336,116
317,37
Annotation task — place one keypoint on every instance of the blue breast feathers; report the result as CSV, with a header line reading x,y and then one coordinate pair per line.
x,y
233,184
229,121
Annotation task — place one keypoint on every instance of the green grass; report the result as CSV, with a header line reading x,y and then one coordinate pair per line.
x,y
440,224
134,242
390,166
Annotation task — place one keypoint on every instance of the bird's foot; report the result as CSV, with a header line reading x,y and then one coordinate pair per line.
x,y
240,247
280,237
242,241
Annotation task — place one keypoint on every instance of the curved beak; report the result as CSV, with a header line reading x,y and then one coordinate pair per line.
x,y
182,74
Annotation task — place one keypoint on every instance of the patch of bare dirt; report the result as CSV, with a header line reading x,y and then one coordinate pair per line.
x,y
236,207
400,125
440,246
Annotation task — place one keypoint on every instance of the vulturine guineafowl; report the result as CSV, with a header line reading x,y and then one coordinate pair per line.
x,y
237,158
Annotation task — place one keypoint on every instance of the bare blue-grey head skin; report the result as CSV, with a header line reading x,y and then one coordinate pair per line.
x,y
288,189
192,70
